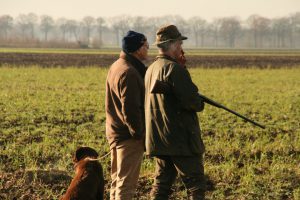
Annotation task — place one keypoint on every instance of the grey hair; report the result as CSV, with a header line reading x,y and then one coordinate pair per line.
x,y
166,45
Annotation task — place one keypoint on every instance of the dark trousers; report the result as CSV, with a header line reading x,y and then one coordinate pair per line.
x,y
189,168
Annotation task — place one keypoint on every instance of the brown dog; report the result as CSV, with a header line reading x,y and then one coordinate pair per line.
x,y
88,183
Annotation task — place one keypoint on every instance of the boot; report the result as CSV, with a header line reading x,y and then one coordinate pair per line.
x,y
196,195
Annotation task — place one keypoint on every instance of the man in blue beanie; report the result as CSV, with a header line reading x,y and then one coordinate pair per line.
x,y
124,106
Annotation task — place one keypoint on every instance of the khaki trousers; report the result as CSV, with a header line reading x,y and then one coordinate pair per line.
x,y
126,159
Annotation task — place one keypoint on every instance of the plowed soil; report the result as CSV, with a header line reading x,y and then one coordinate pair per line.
x,y
104,60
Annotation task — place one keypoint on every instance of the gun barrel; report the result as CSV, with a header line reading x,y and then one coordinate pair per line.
x,y
162,87
213,103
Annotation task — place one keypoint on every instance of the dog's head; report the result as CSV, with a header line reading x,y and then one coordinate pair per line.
x,y
83,152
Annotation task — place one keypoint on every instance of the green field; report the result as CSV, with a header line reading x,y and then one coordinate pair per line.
x,y
45,113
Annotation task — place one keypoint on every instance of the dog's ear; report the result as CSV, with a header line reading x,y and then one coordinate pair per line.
x,y
83,152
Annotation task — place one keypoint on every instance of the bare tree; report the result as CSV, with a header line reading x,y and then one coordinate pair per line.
x,y
31,21
256,31
263,29
164,20
88,23
6,24
214,28
46,25
139,24
26,23
253,23
73,29
280,27
63,27
153,23
120,24
23,25
199,28
294,28
259,27
124,24
230,29
100,25
182,24
115,28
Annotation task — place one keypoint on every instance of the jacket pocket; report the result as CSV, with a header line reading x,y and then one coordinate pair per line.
x,y
196,143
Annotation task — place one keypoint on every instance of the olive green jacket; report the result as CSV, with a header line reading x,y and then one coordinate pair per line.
x,y
172,126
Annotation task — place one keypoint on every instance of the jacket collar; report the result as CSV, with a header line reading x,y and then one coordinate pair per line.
x,y
136,63
163,56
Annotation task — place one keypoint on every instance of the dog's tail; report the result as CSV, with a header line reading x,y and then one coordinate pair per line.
x,y
97,159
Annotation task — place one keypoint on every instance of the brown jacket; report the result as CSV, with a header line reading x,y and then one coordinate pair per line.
x,y
124,102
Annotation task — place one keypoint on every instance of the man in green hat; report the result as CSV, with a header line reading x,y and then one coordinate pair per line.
x,y
172,128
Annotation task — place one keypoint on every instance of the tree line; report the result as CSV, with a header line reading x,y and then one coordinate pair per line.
x,y
31,30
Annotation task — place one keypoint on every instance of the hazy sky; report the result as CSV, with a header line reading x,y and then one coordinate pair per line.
x,y
207,9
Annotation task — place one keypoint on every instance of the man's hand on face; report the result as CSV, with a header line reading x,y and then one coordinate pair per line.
x,y
181,59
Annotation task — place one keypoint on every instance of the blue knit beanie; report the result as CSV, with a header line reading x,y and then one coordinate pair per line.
x,y
132,41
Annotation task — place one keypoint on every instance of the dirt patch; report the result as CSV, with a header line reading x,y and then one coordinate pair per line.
x,y
56,60
104,60
244,61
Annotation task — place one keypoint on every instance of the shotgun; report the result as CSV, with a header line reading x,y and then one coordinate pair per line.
x,y
162,87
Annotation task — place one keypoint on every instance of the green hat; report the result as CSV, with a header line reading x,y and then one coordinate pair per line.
x,y
168,33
